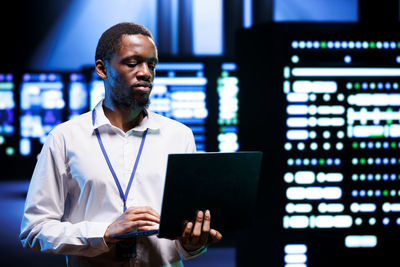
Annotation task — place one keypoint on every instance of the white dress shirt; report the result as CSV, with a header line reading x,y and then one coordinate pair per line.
x,y
73,198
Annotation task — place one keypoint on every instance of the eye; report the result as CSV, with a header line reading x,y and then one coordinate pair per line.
x,y
131,65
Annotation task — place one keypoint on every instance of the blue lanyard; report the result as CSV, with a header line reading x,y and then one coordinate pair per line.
x,y
123,196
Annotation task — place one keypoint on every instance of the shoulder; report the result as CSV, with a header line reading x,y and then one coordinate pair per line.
x,y
74,128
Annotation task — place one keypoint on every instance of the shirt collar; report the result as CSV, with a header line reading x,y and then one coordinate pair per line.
x,y
148,121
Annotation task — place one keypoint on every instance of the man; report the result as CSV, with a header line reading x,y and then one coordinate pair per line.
x,y
101,174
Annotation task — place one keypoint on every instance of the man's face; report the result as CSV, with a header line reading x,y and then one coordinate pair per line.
x,y
131,71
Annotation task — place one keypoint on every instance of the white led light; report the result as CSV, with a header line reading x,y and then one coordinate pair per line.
x,y
288,146
346,72
297,122
314,146
304,177
297,134
288,177
297,109
340,134
295,59
295,258
301,146
326,134
339,146
295,249
361,241
297,97
326,146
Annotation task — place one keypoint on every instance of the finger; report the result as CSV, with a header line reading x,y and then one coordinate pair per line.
x,y
138,226
215,237
148,228
143,217
186,232
142,209
197,228
206,227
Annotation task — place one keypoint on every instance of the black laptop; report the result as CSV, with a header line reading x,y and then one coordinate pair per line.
x,y
224,183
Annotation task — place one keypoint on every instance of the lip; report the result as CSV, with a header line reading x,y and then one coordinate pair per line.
x,y
143,88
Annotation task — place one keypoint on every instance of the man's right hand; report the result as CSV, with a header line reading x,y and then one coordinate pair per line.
x,y
133,219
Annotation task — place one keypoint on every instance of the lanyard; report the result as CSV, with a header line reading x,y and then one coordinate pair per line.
x,y
121,192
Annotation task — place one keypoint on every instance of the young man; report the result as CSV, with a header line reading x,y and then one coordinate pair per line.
x,y
101,174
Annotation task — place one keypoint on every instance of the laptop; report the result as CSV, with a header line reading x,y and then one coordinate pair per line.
x,y
224,183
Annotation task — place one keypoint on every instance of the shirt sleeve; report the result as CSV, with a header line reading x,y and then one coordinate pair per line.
x,y
42,226
189,255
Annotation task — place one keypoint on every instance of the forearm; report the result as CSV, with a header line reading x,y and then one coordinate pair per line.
x,y
84,238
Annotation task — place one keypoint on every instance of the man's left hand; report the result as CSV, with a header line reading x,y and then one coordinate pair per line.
x,y
199,234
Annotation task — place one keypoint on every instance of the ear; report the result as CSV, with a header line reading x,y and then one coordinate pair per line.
x,y
101,69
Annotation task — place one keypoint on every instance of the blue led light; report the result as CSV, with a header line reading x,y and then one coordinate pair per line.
x,y
295,44
370,145
329,44
370,177
354,193
344,44
386,44
337,44
393,161
385,144
298,162
329,161
398,221
378,161
314,161
388,85
316,44
228,66
385,177
309,44
378,193
380,86
385,221
364,85
362,193
398,59
385,161
347,59
393,177
393,45
358,45
337,161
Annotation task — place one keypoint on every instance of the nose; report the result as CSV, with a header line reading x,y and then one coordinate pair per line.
x,y
144,72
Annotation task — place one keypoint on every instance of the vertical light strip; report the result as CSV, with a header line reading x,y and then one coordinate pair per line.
x,y
247,13
174,26
207,27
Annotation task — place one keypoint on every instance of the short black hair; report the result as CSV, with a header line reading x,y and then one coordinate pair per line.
x,y
110,40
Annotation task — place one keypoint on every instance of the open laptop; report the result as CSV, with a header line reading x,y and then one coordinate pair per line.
x,y
224,183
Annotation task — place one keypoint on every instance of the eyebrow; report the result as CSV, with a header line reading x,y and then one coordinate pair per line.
x,y
139,58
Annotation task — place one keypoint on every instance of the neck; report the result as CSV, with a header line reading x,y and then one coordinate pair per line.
x,y
122,117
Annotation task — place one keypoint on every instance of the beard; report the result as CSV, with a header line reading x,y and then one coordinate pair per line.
x,y
135,100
